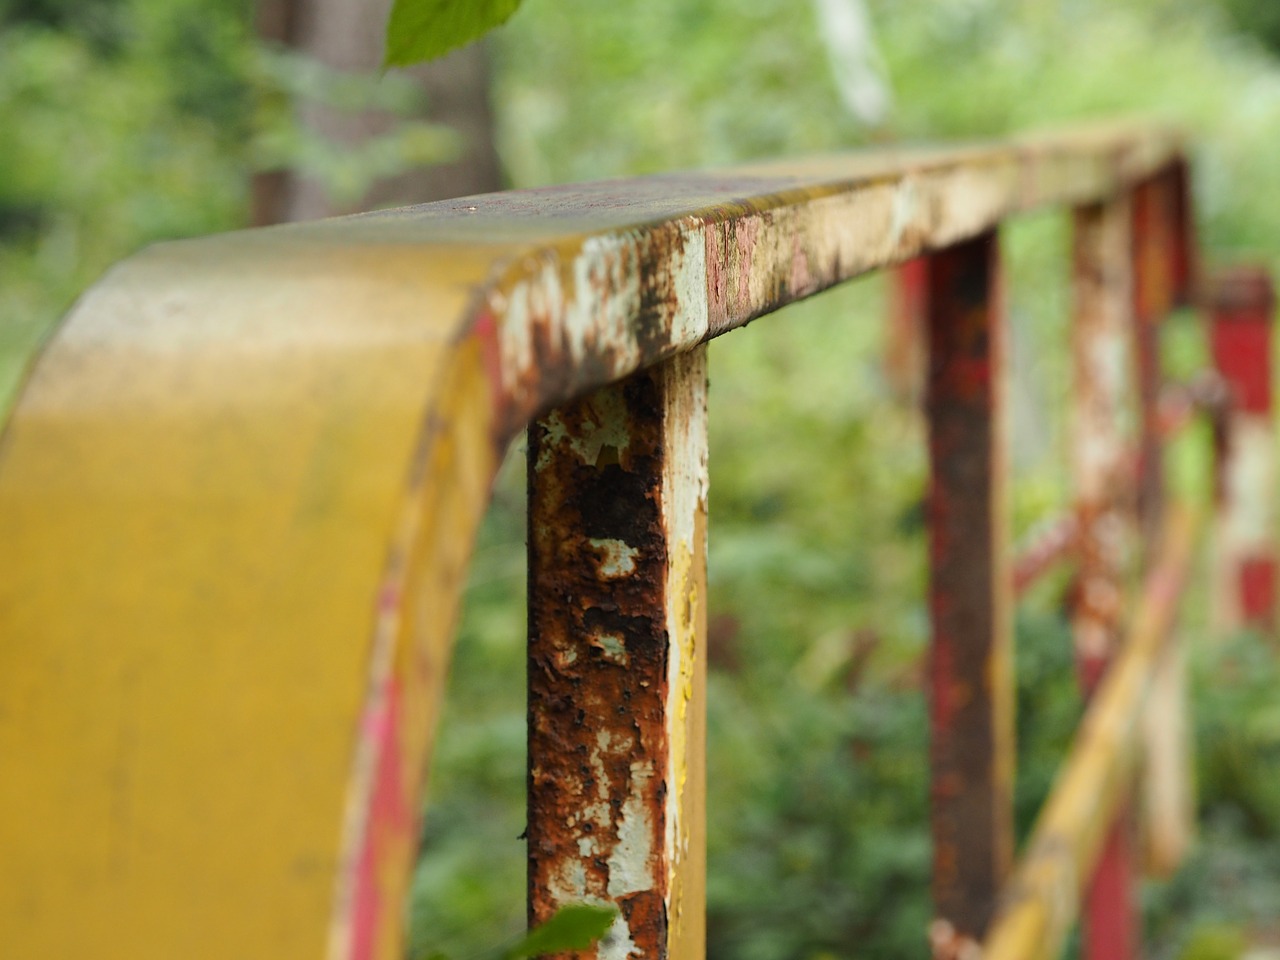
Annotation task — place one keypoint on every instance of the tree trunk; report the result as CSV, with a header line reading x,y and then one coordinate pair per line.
x,y
347,35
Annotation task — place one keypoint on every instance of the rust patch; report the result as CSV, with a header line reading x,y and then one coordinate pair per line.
x,y
598,663
970,651
577,315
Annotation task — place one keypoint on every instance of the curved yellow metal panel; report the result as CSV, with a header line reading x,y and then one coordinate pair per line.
x,y
239,490
200,491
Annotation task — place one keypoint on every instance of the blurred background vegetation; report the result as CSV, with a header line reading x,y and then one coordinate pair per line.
x,y
131,121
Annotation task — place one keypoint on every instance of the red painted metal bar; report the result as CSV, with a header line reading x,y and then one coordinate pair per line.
x,y
617,587
970,669
1241,303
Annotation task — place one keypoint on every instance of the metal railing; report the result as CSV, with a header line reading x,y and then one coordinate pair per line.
x,y
240,487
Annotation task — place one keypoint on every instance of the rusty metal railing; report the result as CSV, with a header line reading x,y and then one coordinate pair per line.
x,y
239,491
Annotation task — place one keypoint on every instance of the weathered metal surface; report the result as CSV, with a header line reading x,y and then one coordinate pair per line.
x,y
1241,303
1114,295
1101,329
1043,897
238,492
970,655
617,659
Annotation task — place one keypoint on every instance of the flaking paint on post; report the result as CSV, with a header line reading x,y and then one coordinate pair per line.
x,y
617,481
970,671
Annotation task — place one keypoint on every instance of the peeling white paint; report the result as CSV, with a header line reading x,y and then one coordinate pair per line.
x,y
1251,487
569,882
605,434
613,647
617,558
596,318
630,861
690,323
905,204
617,943
606,298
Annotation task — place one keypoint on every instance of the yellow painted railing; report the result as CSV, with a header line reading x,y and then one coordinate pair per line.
x,y
239,490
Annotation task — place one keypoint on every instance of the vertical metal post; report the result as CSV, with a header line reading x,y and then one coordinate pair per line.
x,y
617,660
970,660
1241,302
1101,332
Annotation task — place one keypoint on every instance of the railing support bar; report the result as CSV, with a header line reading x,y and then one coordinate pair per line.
x,y
617,613
1167,792
970,592
1041,899
1101,333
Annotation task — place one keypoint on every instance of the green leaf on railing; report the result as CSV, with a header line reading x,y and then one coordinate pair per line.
x,y
424,29
574,927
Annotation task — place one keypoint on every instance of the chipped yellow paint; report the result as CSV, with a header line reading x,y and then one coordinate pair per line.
x,y
1168,784
201,497
686,518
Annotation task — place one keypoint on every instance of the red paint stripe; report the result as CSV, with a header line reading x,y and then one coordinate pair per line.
x,y
486,331
1110,928
390,826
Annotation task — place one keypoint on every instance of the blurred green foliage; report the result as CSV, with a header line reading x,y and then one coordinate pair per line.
x,y
129,121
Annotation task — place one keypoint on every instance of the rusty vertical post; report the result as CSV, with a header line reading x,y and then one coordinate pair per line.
x,y
1102,285
1103,300
1241,302
970,590
617,612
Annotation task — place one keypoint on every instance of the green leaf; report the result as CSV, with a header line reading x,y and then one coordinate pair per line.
x,y
574,927
424,29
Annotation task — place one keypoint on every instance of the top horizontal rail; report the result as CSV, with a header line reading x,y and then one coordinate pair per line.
x,y
239,489
573,286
